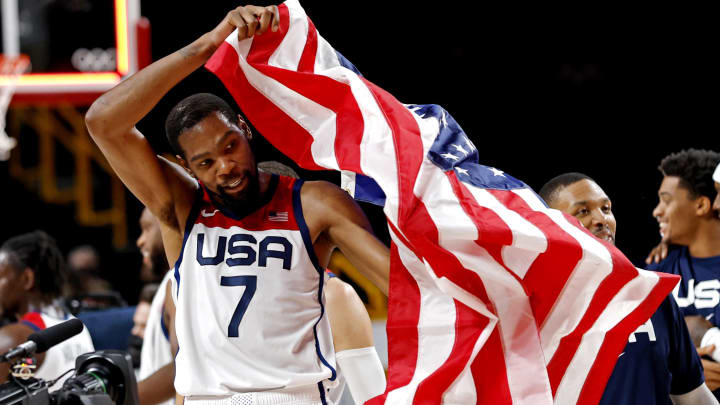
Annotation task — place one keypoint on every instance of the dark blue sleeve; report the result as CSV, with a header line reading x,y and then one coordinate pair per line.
x,y
684,362
651,267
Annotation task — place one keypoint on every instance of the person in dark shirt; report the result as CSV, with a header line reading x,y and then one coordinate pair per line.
x,y
687,214
659,363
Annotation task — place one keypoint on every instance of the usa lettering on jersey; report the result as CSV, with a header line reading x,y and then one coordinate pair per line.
x,y
703,295
251,285
242,251
647,328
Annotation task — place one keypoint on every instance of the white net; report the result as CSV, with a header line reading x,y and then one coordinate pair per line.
x,y
10,70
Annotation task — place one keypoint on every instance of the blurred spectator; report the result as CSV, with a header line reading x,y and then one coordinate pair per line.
x,y
84,266
32,277
152,321
154,262
140,320
88,291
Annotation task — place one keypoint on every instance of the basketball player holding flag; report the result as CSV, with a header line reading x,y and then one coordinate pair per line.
x,y
495,298
250,321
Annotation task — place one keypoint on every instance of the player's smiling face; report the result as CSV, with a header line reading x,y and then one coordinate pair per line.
x,y
587,202
218,153
676,212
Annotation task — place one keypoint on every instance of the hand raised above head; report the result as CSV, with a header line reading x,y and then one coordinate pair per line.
x,y
249,21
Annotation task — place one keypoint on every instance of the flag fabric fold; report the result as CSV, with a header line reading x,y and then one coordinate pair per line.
x,y
494,298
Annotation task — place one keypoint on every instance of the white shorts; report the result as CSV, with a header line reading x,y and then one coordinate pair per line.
x,y
308,395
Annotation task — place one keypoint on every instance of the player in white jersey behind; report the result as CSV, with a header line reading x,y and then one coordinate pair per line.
x,y
32,276
157,369
232,231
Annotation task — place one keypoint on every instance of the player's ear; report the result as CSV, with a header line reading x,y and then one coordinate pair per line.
x,y
185,166
244,127
703,206
27,279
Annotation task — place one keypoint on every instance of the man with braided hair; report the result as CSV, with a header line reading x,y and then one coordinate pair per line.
x,y
32,275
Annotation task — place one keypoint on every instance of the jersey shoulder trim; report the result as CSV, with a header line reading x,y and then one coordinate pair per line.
x,y
34,321
307,241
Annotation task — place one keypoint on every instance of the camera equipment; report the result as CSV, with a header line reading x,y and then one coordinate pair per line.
x,y
104,377
39,342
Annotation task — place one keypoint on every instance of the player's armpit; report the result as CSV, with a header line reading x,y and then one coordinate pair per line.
x,y
135,162
172,232
160,185
331,211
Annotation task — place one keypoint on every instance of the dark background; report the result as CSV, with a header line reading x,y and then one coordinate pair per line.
x,y
499,76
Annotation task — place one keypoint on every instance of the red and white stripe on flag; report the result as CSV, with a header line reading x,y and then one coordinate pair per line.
x,y
494,299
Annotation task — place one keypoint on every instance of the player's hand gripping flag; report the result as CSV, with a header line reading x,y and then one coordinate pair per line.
x,y
494,298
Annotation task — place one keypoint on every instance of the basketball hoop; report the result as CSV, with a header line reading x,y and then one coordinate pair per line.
x,y
10,70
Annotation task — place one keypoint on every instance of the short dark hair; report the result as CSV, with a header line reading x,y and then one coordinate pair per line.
x,y
274,167
191,110
695,168
38,251
549,191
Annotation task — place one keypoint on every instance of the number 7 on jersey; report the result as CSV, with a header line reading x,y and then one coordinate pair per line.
x,y
250,283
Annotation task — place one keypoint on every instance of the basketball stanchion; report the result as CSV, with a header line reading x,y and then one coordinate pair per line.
x,y
10,70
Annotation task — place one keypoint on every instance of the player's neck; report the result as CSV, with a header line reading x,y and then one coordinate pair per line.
x,y
22,309
264,181
707,240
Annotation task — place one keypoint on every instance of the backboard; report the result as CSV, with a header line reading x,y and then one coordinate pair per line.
x,y
78,49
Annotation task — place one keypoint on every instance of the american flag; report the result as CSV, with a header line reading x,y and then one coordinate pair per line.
x,y
278,216
494,298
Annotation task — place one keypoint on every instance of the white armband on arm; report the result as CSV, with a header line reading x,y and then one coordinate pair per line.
x,y
699,396
363,372
712,337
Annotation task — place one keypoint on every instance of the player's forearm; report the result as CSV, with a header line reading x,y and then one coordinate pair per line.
x,y
373,261
119,109
158,387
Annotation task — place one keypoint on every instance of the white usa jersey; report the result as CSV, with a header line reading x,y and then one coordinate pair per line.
x,y
61,357
250,313
156,352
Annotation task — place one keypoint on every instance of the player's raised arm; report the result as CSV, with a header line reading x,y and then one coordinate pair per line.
x,y
112,117
332,212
